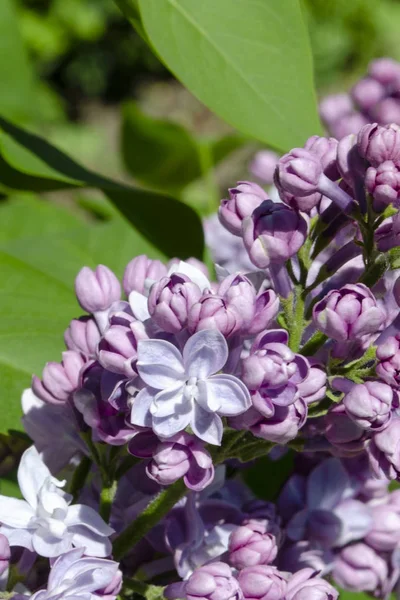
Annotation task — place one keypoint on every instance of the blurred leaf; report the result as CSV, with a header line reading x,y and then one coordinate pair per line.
x,y
9,487
28,162
224,146
159,153
249,61
17,93
267,476
346,595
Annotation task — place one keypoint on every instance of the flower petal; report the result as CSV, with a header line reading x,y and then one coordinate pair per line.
x,y
159,364
170,401
15,513
95,545
48,545
356,521
18,537
230,393
207,426
172,424
205,353
327,485
80,514
138,304
140,412
32,473
192,272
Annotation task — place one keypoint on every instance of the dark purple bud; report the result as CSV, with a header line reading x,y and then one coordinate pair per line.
x,y
214,581
384,451
378,144
170,301
83,336
348,313
243,200
273,234
5,554
266,310
59,380
140,269
118,348
359,568
383,182
213,312
369,404
325,149
251,545
262,582
334,107
239,293
367,92
263,165
97,290
385,533
385,70
388,355
306,585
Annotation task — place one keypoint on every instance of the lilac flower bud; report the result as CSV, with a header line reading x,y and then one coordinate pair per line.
x,y
367,92
140,269
83,336
111,591
387,236
182,455
342,432
388,355
385,70
251,545
213,312
214,581
359,568
306,585
59,380
238,292
384,451
325,149
385,533
170,300
243,200
384,182
349,160
313,387
281,428
349,124
262,582
305,554
369,404
387,111
273,234
334,107
263,165
97,290
348,313
378,144
118,348
266,310
5,554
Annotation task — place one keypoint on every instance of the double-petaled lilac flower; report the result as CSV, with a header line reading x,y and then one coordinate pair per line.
x,y
45,522
183,389
251,545
359,568
77,577
273,234
370,404
141,272
59,380
117,350
383,182
348,313
182,455
262,582
388,355
343,433
210,582
306,585
385,533
379,144
170,300
272,372
214,312
330,516
384,451
243,200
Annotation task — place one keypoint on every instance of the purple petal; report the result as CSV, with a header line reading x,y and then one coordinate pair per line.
x,y
356,521
327,485
205,353
80,514
296,528
140,412
232,395
159,363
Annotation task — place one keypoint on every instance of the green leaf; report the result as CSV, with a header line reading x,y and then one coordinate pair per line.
x,y
249,61
158,153
267,476
28,162
17,91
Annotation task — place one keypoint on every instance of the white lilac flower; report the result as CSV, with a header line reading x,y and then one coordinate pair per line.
x,y
45,522
183,389
75,577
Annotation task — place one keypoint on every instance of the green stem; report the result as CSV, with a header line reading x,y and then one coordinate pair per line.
x,y
151,592
296,326
107,496
79,477
151,515
314,344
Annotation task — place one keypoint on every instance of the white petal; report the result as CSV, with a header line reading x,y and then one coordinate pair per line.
x,y
29,400
168,402
207,426
18,537
138,304
51,499
63,562
172,424
140,412
46,544
159,364
356,521
231,394
15,513
95,545
205,353
80,514
208,401
193,273
32,473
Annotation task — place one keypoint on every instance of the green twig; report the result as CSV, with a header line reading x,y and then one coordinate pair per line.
x,y
314,344
107,496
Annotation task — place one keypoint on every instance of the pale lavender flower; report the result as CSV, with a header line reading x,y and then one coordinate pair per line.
x,y
384,451
388,355
210,582
243,200
5,556
96,291
383,182
74,576
359,568
251,544
182,389
59,380
170,300
307,585
45,522
385,533
262,582
141,272
83,336
379,144
370,404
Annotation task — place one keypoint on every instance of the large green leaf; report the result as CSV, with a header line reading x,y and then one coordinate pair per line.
x,y
247,60
28,162
17,90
